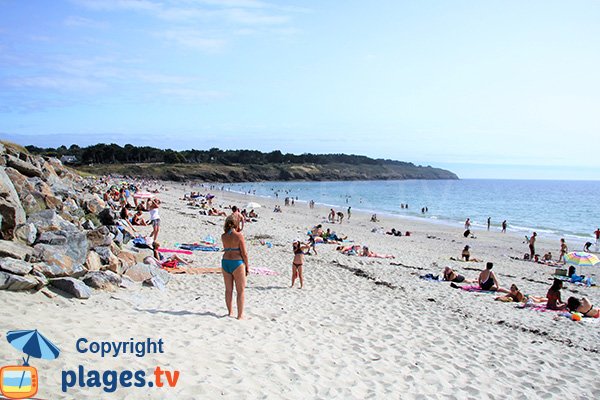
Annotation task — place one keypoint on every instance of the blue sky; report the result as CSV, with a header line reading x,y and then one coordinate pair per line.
x,y
485,88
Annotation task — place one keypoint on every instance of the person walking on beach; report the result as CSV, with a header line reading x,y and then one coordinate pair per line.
x,y
349,213
468,224
563,251
234,264
340,216
298,262
489,222
153,205
331,216
532,246
597,233
504,224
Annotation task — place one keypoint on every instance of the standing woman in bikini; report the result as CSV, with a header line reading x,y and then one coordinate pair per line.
x,y
234,264
299,249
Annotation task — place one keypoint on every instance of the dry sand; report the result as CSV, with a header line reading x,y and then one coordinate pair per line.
x,y
380,333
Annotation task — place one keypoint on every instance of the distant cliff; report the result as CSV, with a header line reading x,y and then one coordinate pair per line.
x,y
216,165
270,172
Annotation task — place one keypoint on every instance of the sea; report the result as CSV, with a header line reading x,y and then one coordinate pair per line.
x,y
569,209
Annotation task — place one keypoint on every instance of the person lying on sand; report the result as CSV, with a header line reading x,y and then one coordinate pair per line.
x,y
214,212
470,259
158,260
514,295
394,232
368,253
583,306
553,296
488,281
451,276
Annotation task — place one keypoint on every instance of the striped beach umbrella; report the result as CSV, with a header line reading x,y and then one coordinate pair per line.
x,y
33,343
582,259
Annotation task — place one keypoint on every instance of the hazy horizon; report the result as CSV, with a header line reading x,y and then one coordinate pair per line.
x,y
486,89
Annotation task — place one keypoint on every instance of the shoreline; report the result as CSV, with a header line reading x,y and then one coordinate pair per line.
x,y
517,231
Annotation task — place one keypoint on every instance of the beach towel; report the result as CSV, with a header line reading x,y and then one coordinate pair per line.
x,y
193,270
263,271
196,247
475,288
430,278
175,251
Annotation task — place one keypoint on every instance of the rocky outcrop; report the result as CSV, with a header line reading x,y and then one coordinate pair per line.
x,y
11,210
72,286
56,230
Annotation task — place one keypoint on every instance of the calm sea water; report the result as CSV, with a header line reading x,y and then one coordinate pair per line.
x,y
552,208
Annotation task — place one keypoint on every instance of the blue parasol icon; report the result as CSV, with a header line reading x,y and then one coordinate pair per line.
x,y
34,344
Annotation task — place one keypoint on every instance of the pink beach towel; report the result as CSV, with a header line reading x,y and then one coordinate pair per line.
x,y
475,288
179,251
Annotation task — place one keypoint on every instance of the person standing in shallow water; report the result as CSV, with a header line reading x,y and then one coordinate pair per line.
x,y
234,264
504,224
489,222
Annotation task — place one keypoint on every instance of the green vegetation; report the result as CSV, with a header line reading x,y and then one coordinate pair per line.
x,y
237,165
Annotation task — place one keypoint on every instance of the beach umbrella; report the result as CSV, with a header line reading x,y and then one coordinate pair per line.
x,y
582,259
143,195
253,204
34,344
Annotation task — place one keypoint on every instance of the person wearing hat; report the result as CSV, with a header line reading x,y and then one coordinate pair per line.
x,y
466,254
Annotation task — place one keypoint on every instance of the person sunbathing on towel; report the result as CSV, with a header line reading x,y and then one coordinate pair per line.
x,y
514,295
451,276
368,253
488,281
158,260
583,306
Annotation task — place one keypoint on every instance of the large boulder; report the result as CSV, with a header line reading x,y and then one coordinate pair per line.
x,y
53,237
127,258
12,212
69,256
93,261
50,271
49,220
142,272
24,167
14,250
109,259
93,204
14,266
73,287
102,280
17,282
99,237
26,233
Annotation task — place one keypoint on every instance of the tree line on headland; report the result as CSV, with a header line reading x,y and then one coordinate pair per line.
x,y
112,158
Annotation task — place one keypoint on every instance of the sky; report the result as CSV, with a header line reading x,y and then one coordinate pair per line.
x,y
488,89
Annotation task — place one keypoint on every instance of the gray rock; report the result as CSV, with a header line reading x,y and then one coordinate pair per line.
x,y
14,266
26,233
142,272
49,220
24,167
12,212
93,204
93,261
53,238
49,271
41,278
102,280
17,282
70,257
73,287
157,282
128,283
14,250
99,237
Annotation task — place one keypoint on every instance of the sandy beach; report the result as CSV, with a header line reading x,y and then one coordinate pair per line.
x,y
360,328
